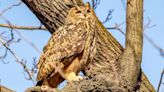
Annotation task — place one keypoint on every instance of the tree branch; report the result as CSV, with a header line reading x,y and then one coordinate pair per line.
x,y
23,27
51,13
5,89
132,56
160,82
10,7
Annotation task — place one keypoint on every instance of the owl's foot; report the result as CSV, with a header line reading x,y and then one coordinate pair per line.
x,y
73,77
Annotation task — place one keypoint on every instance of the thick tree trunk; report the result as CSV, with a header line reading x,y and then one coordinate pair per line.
x,y
52,14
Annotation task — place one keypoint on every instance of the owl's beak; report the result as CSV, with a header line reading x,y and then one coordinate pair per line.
x,y
83,16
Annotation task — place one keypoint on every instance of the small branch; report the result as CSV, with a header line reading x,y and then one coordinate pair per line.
x,y
12,35
10,7
4,44
154,45
117,27
148,26
18,60
11,30
23,27
160,82
108,16
25,39
4,55
95,3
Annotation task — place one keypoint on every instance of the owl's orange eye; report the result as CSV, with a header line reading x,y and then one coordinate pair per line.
x,y
78,12
88,11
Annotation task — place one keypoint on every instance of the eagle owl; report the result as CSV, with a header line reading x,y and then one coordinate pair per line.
x,y
70,49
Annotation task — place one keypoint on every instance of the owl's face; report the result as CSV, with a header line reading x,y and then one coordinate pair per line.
x,y
80,13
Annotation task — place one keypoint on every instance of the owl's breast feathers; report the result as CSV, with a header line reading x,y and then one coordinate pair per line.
x,y
68,42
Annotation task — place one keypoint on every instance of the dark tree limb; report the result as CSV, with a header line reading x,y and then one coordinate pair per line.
x,y
51,13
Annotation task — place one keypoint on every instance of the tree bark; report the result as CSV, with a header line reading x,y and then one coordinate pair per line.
x,y
52,14
4,89
132,56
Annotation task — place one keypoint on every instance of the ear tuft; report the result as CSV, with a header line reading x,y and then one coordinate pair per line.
x,y
87,5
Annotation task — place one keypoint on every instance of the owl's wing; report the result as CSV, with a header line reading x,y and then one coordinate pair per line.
x,y
64,45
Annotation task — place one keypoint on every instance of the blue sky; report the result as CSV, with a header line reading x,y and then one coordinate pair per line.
x,y
11,74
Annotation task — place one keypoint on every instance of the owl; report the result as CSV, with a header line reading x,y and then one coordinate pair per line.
x,y
70,49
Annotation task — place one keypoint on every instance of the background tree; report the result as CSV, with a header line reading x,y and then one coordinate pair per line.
x,y
49,29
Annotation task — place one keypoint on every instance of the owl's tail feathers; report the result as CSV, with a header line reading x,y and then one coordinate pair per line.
x,y
53,82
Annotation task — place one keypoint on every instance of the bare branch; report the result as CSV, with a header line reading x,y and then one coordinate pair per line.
x,y
11,30
95,3
160,82
10,7
154,45
117,27
4,44
4,55
25,39
108,16
4,62
148,25
22,62
31,28
18,60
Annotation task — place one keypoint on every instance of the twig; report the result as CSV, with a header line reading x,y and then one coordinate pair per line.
x,y
25,39
31,28
4,55
4,44
154,44
18,60
95,3
10,7
160,82
117,27
108,16
11,30
148,26
10,26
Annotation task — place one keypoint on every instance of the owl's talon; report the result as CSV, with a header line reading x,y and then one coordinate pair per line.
x,y
73,77
78,78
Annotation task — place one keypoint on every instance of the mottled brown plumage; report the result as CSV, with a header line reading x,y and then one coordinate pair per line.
x,y
70,49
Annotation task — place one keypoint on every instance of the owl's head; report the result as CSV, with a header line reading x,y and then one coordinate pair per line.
x,y
80,13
